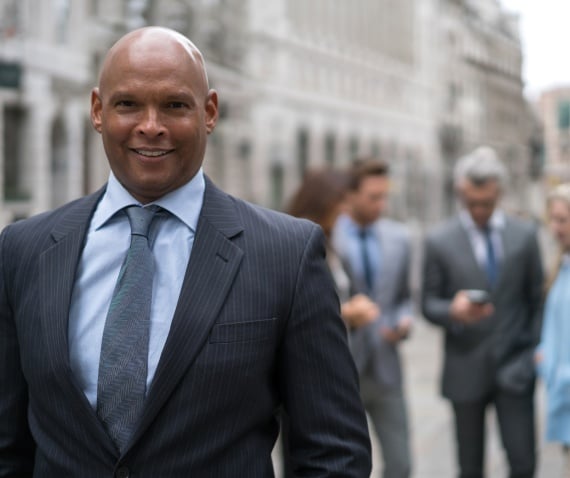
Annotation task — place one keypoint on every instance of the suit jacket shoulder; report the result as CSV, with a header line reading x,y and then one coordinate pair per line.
x,y
22,240
443,229
393,229
523,226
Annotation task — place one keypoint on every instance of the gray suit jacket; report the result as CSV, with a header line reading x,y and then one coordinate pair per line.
x,y
497,351
256,327
375,358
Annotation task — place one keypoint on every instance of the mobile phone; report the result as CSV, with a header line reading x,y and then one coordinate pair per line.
x,y
478,296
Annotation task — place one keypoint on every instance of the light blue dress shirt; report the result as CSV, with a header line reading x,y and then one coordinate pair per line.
x,y
108,239
477,236
354,252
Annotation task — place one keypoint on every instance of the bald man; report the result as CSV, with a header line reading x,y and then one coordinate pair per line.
x,y
101,376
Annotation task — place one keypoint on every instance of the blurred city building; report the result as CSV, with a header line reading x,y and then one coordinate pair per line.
x,y
483,100
554,111
301,83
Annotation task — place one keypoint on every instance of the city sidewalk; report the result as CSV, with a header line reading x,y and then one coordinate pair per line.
x,y
431,424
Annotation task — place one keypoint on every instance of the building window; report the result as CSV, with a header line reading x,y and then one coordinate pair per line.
x,y
302,151
353,147
277,185
59,170
87,137
453,96
14,124
330,149
375,149
564,114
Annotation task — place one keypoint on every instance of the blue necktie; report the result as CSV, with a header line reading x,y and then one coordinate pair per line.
x,y
366,263
491,267
122,377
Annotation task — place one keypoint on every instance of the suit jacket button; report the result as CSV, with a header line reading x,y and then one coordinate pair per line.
x,y
122,472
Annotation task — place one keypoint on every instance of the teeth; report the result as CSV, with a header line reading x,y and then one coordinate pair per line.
x,y
151,154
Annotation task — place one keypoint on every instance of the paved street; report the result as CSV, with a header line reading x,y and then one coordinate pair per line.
x,y
432,432
432,438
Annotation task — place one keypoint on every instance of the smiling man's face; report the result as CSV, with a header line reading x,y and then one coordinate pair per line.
x,y
154,112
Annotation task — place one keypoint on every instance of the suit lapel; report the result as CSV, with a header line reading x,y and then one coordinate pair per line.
x,y
508,238
388,249
213,264
57,268
464,248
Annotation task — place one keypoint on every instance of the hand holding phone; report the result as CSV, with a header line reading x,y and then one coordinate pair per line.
x,y
471,306
478,296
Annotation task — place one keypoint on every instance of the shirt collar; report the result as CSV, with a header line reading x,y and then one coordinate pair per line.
x,y
184,202
347,223
496,222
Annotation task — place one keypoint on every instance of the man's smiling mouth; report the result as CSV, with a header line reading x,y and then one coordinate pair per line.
x,y
152,154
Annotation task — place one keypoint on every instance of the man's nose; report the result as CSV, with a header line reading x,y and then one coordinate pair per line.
x,y
151,124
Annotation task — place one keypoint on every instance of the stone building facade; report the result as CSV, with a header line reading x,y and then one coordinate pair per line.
x,y
554,112
302,84
482,98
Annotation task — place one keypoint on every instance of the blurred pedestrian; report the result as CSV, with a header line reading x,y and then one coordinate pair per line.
x,y
553,353
482,284
377,250
321,198
222,311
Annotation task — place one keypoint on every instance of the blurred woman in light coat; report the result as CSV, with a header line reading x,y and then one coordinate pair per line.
x,y
553,354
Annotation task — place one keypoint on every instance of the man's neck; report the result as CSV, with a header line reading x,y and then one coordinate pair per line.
x,y
360,223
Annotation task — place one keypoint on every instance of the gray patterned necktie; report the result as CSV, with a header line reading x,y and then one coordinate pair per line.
x,y
122,377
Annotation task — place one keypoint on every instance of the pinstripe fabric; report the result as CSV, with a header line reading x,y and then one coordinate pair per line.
x,y
244,340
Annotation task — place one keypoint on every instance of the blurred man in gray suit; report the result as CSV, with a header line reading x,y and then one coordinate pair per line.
x,y
483,285
377,251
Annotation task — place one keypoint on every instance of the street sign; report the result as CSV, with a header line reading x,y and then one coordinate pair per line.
x,y
10,75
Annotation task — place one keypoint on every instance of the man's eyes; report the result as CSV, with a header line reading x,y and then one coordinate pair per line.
x,y
174,105
125,103
170,105
177,105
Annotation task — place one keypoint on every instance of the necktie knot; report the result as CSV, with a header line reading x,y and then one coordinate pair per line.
x,y
140,219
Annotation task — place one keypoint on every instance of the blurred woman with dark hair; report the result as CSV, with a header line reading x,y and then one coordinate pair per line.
x,y
320,198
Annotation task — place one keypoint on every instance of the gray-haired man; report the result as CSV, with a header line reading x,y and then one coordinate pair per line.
x,y
482,284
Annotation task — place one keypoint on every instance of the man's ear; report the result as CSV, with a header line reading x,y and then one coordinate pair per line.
x,y
96,108
211,108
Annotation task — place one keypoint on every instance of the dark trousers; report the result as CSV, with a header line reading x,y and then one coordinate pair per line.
x,y
515,414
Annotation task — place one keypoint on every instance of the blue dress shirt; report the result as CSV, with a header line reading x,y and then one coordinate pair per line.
x,y
478,239
108,238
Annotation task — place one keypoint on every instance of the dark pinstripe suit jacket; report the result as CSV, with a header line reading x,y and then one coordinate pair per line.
x,y
256,325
